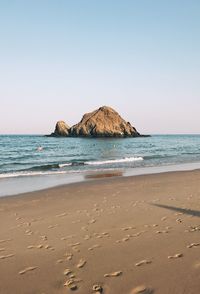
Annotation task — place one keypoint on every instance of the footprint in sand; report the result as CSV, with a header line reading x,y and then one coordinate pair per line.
x,y
52,226
178,255
127,228
168,228
27,269
93,247
75,244
5,240
71,283
81,263
123,240
43,237
136,235
62,214
31,246
194,229
98,237
178,220
114,274
28,232
105,234
143,262
96,209
60,261
40,246
92,221
67,237
162,232
193,245
84,228
141,289
97,288
49,247
87,237
6,256
68,256
67,272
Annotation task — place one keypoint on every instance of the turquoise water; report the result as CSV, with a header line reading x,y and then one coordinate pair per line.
x,y
21,156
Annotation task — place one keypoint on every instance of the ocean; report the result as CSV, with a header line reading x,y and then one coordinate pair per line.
x,y
31,162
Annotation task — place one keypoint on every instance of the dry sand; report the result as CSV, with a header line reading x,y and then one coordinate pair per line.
x,y
114,236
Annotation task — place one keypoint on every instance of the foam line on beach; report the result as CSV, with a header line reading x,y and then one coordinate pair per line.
x,y
113,161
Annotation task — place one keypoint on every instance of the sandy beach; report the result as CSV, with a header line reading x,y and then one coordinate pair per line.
x,y
116,235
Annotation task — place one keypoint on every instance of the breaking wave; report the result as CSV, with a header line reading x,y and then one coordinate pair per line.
x,y
111,161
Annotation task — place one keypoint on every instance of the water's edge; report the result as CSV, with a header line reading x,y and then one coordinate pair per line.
x,y
20,185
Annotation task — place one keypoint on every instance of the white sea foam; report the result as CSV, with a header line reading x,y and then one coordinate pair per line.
x,y
64,164
122,160
28,174
50,172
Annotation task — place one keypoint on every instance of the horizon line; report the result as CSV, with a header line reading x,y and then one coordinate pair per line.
x,y
152,134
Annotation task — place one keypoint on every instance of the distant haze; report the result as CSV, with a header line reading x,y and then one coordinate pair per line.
x,y
60,59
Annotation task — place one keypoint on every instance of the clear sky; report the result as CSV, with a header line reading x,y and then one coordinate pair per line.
x,y
62,58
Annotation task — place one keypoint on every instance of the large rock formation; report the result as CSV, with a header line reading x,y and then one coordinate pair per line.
x,y
61,129
103,122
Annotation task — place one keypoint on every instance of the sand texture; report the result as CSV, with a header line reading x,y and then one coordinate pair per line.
x,y
114,236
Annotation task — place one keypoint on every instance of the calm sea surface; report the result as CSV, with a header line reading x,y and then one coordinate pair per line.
x,y
21,156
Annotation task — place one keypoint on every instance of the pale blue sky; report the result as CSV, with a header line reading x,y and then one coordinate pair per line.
x,y
60,59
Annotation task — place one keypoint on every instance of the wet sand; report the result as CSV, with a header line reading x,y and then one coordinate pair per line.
x,y
119,235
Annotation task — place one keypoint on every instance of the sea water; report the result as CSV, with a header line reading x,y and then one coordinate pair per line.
x,y
29,162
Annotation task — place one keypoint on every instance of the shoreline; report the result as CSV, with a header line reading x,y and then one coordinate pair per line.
x,y
98,181
120,233
36,183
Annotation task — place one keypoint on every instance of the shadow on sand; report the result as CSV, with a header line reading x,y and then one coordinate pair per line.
x,y
178,209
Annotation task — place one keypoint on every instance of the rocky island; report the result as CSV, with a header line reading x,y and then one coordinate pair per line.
x,y
103,122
